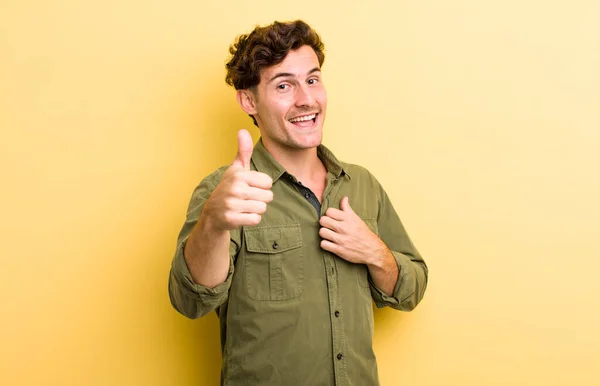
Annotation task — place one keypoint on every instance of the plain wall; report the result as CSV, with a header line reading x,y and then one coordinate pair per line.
x,y
481,120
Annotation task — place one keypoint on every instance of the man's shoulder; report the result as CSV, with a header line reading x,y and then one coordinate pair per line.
x,y
208,183
214,177
357,171
361,176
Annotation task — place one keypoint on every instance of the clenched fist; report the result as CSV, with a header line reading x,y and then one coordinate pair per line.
x,y
242,195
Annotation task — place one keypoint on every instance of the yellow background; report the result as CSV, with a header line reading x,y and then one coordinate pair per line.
x,y
480,118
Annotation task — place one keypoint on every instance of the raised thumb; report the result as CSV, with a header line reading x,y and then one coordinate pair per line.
x,y
244,149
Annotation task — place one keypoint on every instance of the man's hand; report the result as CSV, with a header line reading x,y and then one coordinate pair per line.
x,y
242,195
345,234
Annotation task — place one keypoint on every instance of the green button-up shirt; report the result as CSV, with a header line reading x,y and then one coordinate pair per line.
x,y
290,312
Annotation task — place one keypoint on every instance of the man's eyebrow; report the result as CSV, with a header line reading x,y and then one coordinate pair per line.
x,y
287,74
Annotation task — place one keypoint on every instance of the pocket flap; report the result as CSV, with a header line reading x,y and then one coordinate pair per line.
x,y
273,238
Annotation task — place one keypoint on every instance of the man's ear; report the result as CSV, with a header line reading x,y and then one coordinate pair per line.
x,y
247,101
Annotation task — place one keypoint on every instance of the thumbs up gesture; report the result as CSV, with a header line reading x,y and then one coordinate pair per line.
x,y
245,147
242,195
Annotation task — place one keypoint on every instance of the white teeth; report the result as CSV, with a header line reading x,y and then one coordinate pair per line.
x,y
304,118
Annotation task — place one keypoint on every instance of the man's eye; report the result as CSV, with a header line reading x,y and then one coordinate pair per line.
x,y
313,81
282,86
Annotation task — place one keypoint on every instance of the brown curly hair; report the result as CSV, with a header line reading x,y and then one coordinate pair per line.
x,y
265,47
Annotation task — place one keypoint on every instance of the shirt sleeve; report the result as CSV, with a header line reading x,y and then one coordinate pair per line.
x,y
412,269
187,297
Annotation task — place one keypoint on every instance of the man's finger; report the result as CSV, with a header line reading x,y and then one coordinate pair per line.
x,y
259,194
258,179
330,223
335,214
331,247
246,219
244,149
252,206
328,234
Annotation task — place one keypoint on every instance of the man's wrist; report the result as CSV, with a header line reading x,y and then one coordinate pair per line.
x,y
381,258
205,232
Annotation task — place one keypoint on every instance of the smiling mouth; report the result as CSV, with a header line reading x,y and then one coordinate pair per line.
x,y
304,120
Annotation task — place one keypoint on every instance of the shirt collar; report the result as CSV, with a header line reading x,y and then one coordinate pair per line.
x,y
264,162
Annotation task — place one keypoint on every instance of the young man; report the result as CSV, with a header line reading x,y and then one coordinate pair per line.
x,y
289,245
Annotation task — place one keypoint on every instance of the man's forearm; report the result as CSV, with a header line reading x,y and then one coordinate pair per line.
x,y
384,272
207,254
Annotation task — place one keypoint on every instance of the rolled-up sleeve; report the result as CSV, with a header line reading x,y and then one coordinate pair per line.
x,y
187,297
191,299
410,287
412,269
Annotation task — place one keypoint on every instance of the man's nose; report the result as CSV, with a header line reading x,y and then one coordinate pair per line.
x,y
304,96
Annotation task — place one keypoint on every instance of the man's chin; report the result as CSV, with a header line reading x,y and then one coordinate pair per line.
x,y
311,141
299,145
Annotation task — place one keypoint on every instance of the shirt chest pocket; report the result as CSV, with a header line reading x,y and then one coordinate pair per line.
x,y
274,262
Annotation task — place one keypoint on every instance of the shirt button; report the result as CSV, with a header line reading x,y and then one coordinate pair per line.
x,y
340,356
306,195
275,245
337,313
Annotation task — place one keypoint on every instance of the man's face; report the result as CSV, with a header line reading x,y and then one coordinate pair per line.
x,y
290,102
